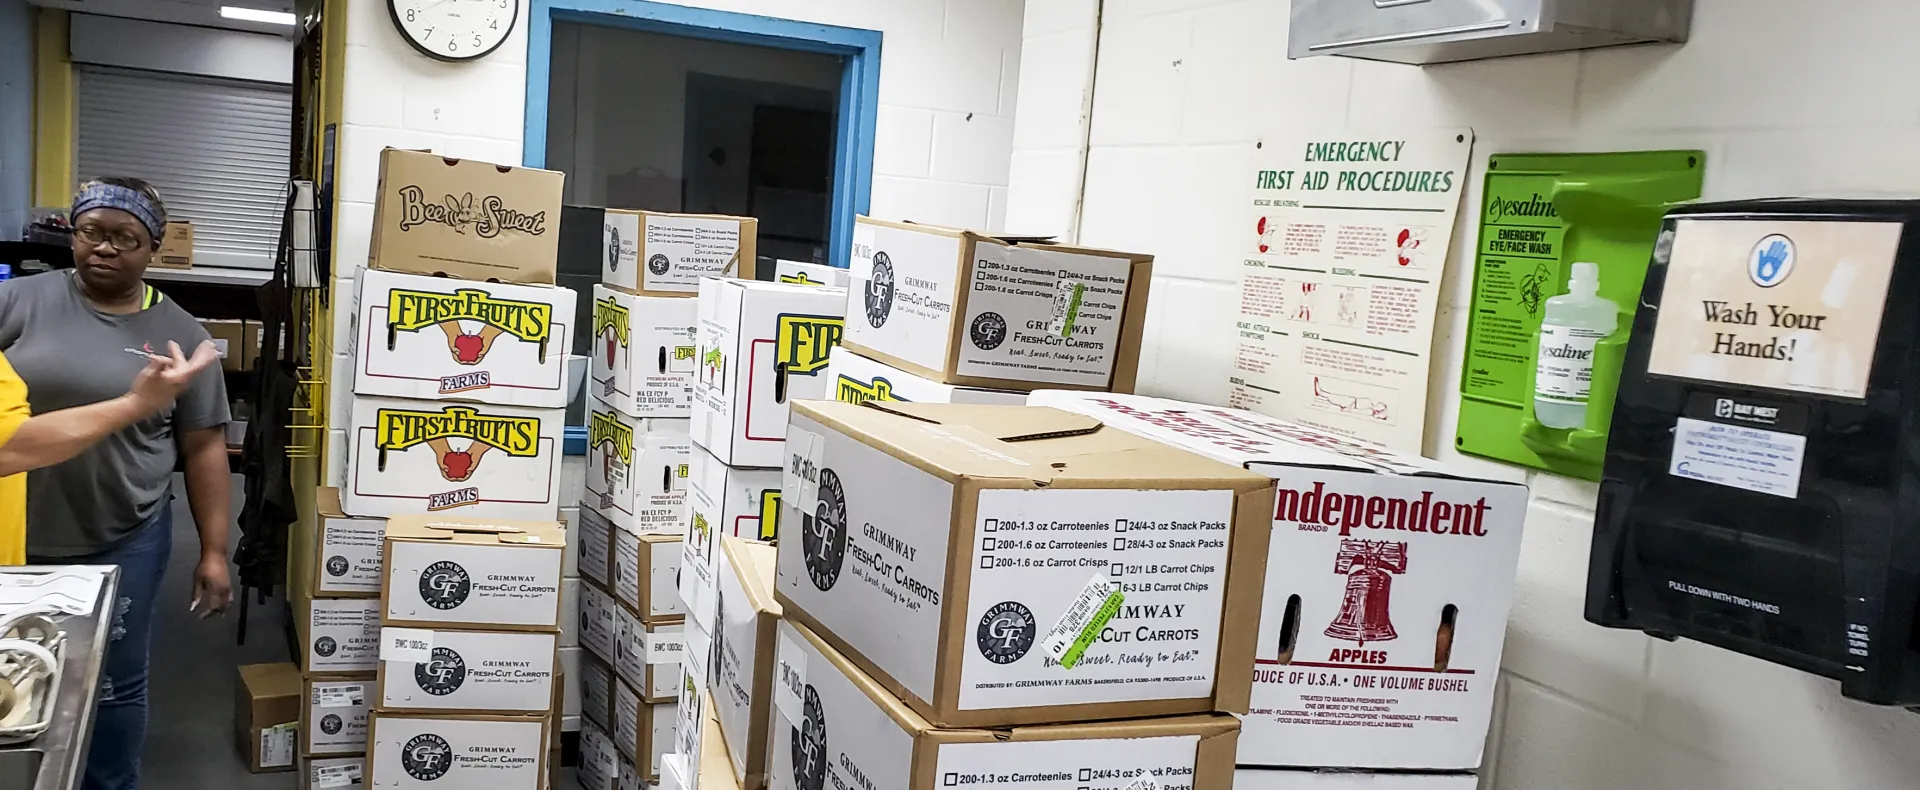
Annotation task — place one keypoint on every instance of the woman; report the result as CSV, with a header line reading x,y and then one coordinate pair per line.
x,y
68,334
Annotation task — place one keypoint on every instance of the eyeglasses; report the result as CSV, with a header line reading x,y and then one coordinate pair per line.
x,y
124,241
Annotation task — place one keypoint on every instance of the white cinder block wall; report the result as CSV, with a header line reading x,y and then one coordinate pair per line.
x,y
1786,98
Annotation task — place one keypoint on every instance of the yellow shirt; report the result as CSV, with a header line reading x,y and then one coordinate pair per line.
x,y
13,490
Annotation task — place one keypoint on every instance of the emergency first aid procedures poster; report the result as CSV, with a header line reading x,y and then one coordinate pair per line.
x,y
1345,248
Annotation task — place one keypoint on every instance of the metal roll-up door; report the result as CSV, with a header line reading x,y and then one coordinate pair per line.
x,y
217,151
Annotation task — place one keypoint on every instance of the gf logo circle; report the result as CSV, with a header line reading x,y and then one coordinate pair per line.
x,y
880,290
330,724
658,264
441,675
337,566
445,585
989,330
823,535
325,646
810,745
427,757
613,248
1006,632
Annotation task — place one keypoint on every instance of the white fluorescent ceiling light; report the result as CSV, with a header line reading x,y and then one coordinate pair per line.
x,y
257,15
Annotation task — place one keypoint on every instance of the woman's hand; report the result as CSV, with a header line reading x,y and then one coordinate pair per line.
x,y
212,587
165,377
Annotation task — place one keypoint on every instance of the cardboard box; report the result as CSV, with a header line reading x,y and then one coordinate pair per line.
x,y
649,657
466,219
333,719
435,338
596,690
636,469
962,308
569,612
342,635
599,623
642,732
673,773
452,572
595,544
728,500
414,751
1382,550
266,716
703,762
1029,527
647,575
743,647
797,273
329,773
762,346
453,671
697,656
660,254
1306,779
857,734
599,761
176,247
409,456
251,343
644,352
857,379
229,338
348,550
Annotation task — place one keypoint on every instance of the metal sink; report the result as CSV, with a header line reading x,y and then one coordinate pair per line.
x,y
19,768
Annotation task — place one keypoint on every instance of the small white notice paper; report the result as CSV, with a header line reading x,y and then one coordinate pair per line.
x,y
1761,461
406,645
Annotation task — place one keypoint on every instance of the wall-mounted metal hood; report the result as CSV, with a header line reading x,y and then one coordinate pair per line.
x,y
1444,31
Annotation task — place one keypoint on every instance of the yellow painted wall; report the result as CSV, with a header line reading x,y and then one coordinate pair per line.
x,y
53,108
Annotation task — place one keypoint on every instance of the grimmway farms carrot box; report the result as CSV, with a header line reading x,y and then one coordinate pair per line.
x,y
1396,573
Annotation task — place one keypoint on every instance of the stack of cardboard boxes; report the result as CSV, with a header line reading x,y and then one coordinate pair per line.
x,y
1389,580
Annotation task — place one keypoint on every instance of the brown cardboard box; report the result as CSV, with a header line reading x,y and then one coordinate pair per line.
x,y
266,715
513,673
860,735
466,219
229,336
250,344
743,653
659,254
449,572
333,721
1012,313
491,752
346,551
1037,538
176,247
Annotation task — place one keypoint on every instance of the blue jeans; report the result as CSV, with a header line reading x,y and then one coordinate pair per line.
x,y
120,723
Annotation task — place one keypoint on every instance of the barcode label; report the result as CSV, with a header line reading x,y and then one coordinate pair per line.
x,y
1096,604
1144,781
336,776
1067,296
343,696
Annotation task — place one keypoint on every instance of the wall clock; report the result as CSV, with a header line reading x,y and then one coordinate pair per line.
x,y
454,30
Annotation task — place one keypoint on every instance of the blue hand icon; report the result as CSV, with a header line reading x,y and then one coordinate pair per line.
x,y
1771,259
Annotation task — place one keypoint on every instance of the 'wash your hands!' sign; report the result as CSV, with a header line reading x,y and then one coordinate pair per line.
x,y
1783,305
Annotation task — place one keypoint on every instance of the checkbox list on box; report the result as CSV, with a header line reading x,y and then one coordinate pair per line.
x,y
1115,570
986,544
952,779
1086,774
990,525
1120,525
1119,544
986,561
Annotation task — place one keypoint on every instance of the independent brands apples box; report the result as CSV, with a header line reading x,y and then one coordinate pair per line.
x,y
454,572
342,635
426,670
840,728
1403,573
466,219
334,720
654,253
798,273
1048,569
643,353
647,574
762,346
416,751
962,308
410,456
1282,779
743,648
348,550
636,469
857,379
599,623
641,731
648,656
435,338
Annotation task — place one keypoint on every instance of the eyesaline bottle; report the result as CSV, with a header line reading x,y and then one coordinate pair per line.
x,y
1575,322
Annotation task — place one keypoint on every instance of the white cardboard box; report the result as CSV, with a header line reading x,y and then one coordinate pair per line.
x,y
729,500
859,735
649,656
743,647
435,338
647,575
798,273
347,558
963,308
599,623
1282,779
458,572
673,773
332,773
569,612
643,352
762,346
857,379
636,469
656,253
596,691
342,635
1382,549
409,456
599,760
1028,529
467,671
596,548
417,752
642,731
693,712
334,720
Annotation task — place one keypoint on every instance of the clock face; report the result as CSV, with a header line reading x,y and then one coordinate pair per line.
x,y
454,29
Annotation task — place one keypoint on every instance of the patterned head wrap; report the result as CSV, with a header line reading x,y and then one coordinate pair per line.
x,y
103,195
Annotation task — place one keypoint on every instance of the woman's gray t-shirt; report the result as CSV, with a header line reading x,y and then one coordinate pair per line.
x,y
70,354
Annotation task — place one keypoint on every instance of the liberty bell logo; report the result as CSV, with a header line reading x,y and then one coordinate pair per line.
x,y
1369,566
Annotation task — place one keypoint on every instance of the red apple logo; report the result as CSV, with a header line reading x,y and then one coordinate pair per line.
x,y
609,351
468,348
1260,229
459,465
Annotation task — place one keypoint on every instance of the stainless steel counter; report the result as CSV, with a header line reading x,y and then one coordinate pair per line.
x,y
58,759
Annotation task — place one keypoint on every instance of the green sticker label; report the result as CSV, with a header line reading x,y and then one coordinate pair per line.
x,y
1098,623
1073,309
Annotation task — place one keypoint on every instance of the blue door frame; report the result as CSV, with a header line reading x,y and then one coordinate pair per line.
x,y
859,91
